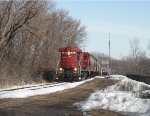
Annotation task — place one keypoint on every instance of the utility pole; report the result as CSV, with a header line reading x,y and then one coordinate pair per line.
x,y
109,46
109,55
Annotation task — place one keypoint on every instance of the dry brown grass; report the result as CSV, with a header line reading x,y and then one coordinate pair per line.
x,y
11,82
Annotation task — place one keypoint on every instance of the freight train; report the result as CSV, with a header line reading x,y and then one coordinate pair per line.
x,y
75,65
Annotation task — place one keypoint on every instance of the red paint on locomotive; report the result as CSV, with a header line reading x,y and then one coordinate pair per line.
x,y
84,62
69,57
75,64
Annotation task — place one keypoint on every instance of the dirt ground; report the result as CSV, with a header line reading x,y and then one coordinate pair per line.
x,y
56,104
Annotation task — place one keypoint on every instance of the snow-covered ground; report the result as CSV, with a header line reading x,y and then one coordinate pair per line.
x,y
38,90
127,96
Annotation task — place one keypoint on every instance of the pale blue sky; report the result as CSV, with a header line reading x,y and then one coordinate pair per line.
x,y
124,20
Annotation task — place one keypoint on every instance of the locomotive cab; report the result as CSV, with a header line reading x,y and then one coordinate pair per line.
x,y
69,66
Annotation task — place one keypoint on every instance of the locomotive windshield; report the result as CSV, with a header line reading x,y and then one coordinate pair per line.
x,y
68,52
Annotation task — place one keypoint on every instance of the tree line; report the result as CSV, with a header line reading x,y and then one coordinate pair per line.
x,y
136,63
30,34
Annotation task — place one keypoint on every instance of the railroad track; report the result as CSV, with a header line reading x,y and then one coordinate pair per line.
x,y
28,91
34,87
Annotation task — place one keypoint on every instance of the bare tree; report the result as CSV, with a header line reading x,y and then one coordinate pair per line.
x,y
135,51
30,34
135,48
15,15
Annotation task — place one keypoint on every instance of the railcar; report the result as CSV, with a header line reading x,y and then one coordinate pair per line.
x,y
89,65
75,65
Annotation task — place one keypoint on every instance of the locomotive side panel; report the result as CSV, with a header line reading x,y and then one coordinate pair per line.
x,y
89,65
95,67
84,61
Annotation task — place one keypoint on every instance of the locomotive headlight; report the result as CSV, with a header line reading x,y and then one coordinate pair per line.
x,y
61,70
69,53
75,69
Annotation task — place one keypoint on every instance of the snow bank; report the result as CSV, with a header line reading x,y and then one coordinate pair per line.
x,y
100,77
39,90
125,97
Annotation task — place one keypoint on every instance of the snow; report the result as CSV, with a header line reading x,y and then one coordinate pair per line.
x,y
102,77
39,90
127,97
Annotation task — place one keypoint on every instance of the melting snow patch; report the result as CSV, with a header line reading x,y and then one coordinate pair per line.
x,y
100,77
38,90
125,97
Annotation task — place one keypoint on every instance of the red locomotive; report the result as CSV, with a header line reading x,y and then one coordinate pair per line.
x,y
75,65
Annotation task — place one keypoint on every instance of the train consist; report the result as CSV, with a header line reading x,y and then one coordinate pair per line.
x,y
76,65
